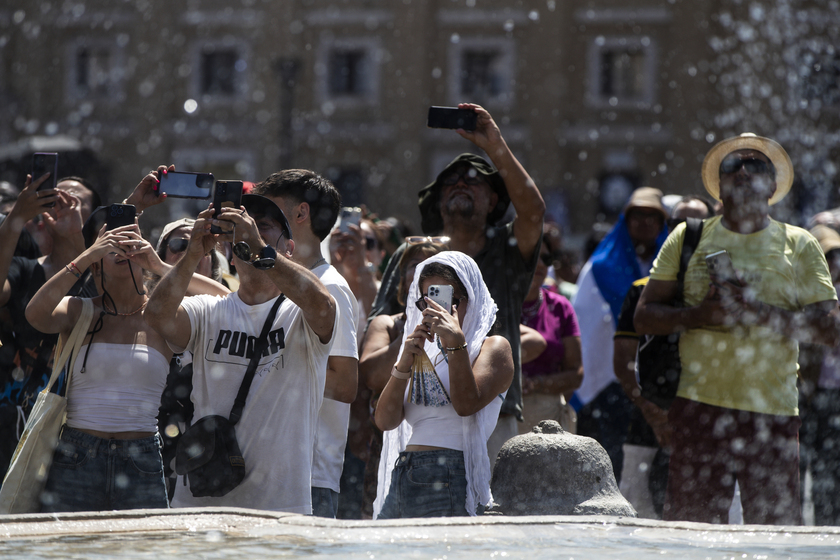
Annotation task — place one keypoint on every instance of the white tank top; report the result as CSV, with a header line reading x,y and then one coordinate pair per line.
x,y
436,426
120,389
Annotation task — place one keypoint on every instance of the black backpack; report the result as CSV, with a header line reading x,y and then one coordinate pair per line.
x,y
659,355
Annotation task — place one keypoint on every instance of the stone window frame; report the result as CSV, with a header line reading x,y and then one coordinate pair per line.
x,y
597,47
115,90
507,66
241,79
371,48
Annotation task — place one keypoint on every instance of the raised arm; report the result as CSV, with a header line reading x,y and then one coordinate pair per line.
x,y
44,312
27,206
164,312
143,196
524,195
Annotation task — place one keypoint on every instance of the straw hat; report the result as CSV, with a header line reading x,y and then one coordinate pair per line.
x,y
646,197
748,141
828,238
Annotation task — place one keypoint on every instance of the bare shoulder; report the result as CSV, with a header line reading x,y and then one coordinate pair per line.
x,y
496,347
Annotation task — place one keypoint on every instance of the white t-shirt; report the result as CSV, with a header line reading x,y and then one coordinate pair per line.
x,y
334,417
277,430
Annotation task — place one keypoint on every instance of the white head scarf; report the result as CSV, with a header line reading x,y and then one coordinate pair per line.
x,y
479,319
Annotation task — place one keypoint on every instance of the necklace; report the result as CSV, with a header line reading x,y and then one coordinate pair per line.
x,y
145,301
318,263
530,311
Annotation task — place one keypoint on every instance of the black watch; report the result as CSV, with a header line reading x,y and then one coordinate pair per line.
x,y
264,260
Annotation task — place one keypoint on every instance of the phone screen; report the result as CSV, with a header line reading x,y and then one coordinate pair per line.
x,y
451,117
720,265
228,194
43,162
119,215
179,184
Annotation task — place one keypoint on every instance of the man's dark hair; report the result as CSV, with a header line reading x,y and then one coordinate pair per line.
x,y
96,200
302,185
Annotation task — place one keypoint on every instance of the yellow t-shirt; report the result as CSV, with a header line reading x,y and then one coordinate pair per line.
x,y
745,368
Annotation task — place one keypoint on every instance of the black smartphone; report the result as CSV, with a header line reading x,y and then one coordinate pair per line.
x,y
43,162
119,215
452,117
180,184
228,194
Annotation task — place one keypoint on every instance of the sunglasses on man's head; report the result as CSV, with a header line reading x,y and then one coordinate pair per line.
x,y
178,244
417,239
752,165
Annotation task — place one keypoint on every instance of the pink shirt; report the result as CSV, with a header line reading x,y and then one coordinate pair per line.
x,y
555,320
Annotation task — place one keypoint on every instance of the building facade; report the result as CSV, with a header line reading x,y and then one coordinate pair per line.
x,y
594,97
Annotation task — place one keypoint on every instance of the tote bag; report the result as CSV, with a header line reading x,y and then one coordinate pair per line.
x,y
27,474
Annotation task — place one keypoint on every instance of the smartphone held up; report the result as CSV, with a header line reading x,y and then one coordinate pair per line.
x,y
452,117
43,162
180,184
228,194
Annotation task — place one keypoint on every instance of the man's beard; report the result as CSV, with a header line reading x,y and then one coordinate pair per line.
x,y
459,207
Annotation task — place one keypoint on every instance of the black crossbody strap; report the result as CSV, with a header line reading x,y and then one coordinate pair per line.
x,y
259,346
693,231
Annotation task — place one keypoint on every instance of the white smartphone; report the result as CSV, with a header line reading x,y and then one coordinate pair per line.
x,y
720,265
442,295
349,215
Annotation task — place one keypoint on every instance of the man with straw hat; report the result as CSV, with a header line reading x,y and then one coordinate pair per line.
x,y
735,417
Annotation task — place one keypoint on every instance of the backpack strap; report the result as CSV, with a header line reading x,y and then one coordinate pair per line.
x,y
693,231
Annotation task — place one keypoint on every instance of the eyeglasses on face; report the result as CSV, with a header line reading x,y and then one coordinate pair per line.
x,y
470,176
178,245
753,166
422,305
417,239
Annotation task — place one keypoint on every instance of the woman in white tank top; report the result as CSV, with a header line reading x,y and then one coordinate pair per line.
x,y
108,455
438,413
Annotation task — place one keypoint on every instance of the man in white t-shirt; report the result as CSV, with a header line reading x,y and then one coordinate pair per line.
x,y
276,432
311,203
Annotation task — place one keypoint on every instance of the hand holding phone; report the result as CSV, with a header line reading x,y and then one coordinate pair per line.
x,y
119,215
452,117
228,194
720,266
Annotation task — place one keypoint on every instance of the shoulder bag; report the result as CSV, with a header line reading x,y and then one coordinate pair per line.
x,y
27,474
659,355
208,452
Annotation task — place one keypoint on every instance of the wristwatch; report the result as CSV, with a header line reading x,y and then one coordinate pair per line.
x,y
265,259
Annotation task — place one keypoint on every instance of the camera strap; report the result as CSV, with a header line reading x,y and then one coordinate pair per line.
x,y
259,346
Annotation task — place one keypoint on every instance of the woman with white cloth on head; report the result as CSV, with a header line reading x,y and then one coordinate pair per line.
x,y
434,456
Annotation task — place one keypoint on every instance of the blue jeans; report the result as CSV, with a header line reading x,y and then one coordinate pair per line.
x,y
427,484
94,474
324,502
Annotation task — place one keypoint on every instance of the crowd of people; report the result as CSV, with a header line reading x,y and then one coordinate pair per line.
x,y
365,397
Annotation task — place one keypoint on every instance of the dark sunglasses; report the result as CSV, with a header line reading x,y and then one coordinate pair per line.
x,y
370,243
752,165
178,245
471,177
422,305
547,259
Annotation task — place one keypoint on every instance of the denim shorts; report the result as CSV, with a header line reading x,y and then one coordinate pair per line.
x,y
94,474
427,484
324,502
